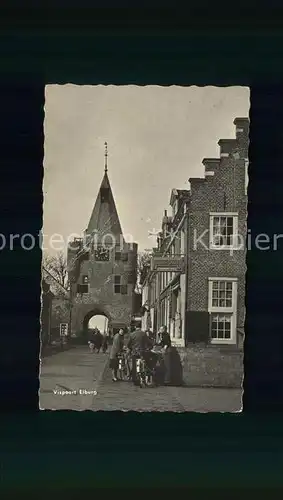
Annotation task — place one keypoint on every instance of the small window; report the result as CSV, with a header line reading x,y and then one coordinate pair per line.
x,y
124,257
124,289
85,280
117,255
82,289
117,284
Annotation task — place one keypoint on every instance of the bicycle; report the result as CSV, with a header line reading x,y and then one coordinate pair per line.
x,y
123,367
144,373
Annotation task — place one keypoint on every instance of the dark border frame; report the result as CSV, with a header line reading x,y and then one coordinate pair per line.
x,y
138,47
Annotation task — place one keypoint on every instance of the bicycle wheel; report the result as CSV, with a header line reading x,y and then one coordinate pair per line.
x,y
127,374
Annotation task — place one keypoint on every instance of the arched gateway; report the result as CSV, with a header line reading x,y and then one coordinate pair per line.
x,y
102,267
89,322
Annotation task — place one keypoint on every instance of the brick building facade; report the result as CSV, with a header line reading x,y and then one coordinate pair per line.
x,y
102,268
201,297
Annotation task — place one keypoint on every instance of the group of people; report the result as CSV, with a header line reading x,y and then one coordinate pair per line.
x,y
140,344
98,341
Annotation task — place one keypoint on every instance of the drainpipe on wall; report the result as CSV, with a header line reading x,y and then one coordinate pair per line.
x,y
70,316
187,272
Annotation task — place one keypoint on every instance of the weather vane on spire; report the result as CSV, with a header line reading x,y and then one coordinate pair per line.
x,y
105,156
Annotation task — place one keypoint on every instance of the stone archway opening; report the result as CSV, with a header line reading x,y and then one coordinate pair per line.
x,y
96,319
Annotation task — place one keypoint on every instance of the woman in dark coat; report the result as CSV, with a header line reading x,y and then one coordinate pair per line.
x,y
172,367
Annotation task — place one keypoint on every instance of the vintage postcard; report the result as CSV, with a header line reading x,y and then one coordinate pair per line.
x,y
144,248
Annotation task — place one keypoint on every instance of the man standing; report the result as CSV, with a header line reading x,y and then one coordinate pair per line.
x,y
138,344
116,348
104,343
164,341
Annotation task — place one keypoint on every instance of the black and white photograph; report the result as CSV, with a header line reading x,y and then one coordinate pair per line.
x,y
144,243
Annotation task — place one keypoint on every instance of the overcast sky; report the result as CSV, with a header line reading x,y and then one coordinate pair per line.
x,y
157,138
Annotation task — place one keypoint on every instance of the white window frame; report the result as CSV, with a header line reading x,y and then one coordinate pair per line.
x,y
231,311
246,175
233,246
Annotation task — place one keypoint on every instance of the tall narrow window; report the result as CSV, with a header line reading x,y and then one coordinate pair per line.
x,y
222,306
117,256
117,284
223,231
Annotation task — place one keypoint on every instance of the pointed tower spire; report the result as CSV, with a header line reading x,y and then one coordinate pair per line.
x,y
105,156
104,219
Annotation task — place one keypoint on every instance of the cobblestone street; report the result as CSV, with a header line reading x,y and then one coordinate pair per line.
x,y
70,371
78,371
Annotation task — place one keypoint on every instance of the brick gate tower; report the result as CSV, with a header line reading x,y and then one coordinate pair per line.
x,y
102,267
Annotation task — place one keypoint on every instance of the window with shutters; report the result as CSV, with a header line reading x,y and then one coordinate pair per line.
x,y
82,288
222,306
223,231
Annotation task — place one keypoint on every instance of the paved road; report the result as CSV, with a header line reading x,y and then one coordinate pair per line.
x,y
69,379
78,369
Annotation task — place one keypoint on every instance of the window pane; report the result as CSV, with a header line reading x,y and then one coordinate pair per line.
x,y
117,289
229,285
220,326
214,303
117,279
228,303
214,334
215,285
220,334
222,285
